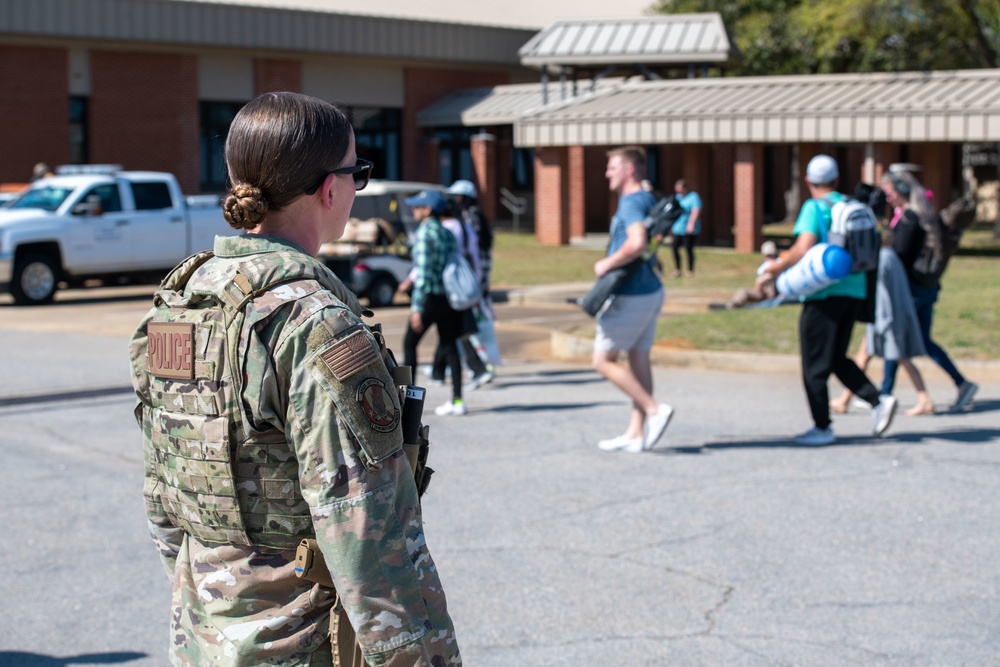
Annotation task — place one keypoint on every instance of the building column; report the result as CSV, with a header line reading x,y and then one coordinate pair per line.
x,y
551,180
484,163
577,191
749,187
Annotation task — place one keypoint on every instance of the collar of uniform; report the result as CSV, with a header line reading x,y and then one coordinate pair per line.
x,y
252,244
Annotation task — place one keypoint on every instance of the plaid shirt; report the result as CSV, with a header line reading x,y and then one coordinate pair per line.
x,y
430,253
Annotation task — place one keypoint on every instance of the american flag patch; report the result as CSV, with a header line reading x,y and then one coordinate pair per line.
x,y
346,357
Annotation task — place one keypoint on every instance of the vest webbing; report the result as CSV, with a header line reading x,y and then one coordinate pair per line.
x,y
222,480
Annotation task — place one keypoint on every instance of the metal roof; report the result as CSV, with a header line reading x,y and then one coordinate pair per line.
x,y
952,106
502,105
260,28
671,39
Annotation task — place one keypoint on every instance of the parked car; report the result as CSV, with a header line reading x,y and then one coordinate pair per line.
x,y
96,221
373,256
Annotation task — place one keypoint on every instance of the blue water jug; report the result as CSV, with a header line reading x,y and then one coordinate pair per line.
x,y
821,266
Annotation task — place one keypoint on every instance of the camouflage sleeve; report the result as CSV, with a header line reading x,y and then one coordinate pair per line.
x,y
343,418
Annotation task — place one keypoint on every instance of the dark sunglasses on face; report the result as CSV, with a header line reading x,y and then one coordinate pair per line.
x,y
361,171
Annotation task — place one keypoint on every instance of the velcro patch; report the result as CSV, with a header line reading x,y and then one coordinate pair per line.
x,y
170,348
378,405
350,354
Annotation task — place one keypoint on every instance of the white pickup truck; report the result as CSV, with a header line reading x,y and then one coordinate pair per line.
x,y
103,223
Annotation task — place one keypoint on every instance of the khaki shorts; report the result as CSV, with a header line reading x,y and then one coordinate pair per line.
x,y
628,322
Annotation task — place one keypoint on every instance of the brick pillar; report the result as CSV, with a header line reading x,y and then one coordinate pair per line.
x,y
696,173
143,112
271,74
723,194
551,205
577,191
749,210
935,160
484,163
885,155
34,108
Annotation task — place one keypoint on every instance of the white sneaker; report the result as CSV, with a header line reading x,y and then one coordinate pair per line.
x,y
859,404
455,408
883,413
965,394
485,377
656,425
816,436
622,444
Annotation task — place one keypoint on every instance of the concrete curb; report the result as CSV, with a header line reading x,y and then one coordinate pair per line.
x,y
570,347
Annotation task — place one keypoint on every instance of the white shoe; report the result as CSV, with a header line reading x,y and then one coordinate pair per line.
x,y
883,413
485,377
859,404
656,425
816,436
965,394
454,408
622,444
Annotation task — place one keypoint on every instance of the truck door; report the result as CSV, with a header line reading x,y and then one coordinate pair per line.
x,y
100,237
160,228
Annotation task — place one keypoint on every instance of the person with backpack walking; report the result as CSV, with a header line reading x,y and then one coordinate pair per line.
x,y
628,319
428,301
828,315
685,230
917,239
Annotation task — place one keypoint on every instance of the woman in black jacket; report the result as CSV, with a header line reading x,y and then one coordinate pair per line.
x,y
916,238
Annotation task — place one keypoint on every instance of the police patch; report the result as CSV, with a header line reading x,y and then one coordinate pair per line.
x,y
170,350
350,354
378,406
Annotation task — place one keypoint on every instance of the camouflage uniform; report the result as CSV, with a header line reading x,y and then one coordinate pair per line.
x,y
311,446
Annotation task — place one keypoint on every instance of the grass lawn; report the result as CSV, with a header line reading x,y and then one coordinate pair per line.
x,y
966,319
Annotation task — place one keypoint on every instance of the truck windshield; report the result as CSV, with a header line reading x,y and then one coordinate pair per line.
x,y
47,198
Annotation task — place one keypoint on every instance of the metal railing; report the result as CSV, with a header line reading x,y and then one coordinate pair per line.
x,y
516,205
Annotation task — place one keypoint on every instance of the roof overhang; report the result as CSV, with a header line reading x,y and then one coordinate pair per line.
x,y
951,106
671,39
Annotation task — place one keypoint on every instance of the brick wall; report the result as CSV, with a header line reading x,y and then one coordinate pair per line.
x,y
483,148
270,74
935,161
576,191
144,112
34,110
421,87
749,213
696,169
551,199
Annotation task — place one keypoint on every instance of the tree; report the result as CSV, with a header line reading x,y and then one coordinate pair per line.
x,y
813,36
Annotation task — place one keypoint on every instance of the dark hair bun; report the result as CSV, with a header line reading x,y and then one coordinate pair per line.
x,y
245,206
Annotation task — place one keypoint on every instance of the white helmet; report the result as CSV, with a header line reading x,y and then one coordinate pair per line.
x,y
463,187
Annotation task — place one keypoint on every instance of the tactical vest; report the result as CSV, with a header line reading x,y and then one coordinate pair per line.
x,y
221,479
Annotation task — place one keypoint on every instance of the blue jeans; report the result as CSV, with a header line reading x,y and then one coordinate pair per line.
x,y
923,300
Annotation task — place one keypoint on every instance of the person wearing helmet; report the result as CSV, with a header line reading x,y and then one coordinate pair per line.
x,y
472,216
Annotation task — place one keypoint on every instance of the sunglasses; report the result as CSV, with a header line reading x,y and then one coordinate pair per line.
x,y
361,171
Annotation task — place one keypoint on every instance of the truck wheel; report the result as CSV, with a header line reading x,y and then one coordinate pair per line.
x,y
35,279
381,292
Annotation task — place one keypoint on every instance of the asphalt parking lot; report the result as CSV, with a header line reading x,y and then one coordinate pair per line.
x,y
727,545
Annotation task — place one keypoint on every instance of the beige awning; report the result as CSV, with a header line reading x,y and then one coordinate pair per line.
x,y
502,105
953,106
649,40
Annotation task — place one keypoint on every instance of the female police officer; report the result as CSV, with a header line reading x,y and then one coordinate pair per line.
x,y
269,416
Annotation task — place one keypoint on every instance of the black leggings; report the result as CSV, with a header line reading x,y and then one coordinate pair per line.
x,y
687,240
437,311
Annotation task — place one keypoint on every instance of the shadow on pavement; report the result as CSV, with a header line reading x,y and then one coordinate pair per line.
x,y
24,659
542,407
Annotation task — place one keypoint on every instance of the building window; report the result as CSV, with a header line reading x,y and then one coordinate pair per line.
x,y
376,135
216,117
78,130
